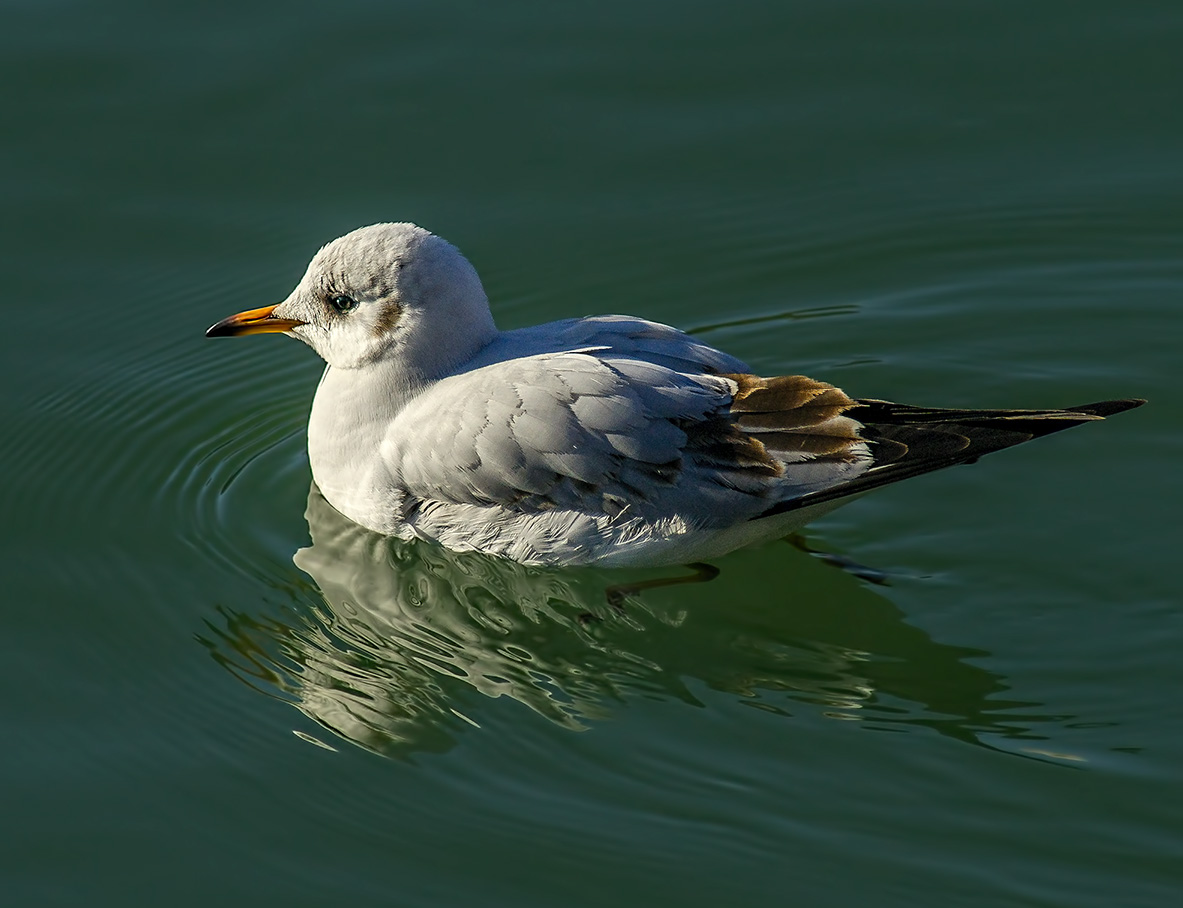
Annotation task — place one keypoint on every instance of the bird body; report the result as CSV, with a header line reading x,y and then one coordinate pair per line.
x,y
610,439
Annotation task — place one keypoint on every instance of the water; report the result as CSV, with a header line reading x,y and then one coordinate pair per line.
x,y
217,690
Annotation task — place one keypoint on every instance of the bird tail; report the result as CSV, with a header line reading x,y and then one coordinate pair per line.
x,y
908,441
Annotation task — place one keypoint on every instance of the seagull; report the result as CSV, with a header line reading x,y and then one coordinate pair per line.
x,y
607,440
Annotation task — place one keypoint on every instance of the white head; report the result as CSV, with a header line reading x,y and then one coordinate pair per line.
x,y
384,292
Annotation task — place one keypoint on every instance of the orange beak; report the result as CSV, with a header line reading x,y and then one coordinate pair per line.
x,y
253,321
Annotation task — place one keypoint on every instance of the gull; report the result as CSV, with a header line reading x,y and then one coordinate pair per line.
x,y
607,440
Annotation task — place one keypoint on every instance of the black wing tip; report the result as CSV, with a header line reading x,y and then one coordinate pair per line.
x,y
1024,425
1105,408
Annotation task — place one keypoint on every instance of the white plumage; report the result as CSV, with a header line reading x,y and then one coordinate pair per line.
x,y
609,440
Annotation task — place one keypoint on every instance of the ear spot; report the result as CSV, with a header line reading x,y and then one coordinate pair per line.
x,y
387,318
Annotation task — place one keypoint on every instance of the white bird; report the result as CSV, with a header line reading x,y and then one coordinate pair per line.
x,y
609,440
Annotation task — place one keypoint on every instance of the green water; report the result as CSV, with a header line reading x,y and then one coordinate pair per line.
x,y
216,691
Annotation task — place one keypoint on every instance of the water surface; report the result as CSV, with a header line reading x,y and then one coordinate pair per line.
x,y
220,690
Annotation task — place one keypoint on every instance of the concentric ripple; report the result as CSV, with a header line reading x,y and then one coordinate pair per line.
x,y
184,438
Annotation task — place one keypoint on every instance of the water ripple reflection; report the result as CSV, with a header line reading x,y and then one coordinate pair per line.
x,y
392,646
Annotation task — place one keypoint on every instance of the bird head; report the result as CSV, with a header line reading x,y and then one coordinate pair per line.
x,y
383,292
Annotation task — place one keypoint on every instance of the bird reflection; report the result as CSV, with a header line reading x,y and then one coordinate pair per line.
x,y
396,642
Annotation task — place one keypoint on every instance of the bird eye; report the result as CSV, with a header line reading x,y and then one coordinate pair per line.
x,y
342,302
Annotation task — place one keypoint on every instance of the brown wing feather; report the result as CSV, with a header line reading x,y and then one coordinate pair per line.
x,y
907,441
795,418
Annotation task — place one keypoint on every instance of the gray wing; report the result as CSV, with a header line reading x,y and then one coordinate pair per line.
x,y
612,336
604,431
558,430
608,414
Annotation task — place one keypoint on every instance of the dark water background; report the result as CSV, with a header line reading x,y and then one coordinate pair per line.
x,y
974,204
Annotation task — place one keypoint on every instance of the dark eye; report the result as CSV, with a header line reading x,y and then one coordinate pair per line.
x,y
342,302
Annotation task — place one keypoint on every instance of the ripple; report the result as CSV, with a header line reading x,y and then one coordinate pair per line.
x,y
402,647
173,437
